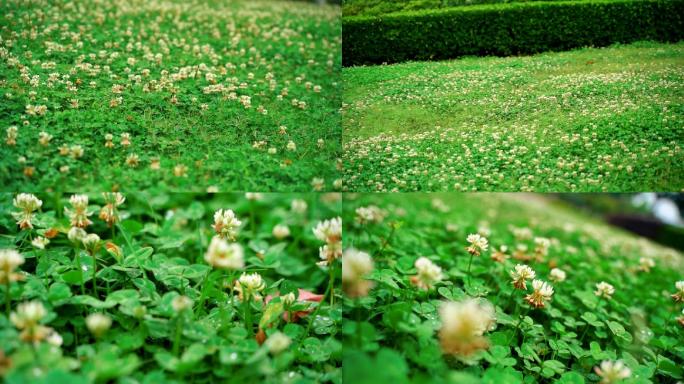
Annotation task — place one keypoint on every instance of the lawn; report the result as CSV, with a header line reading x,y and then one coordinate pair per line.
x,y
168,288
609,119
189,95
436,292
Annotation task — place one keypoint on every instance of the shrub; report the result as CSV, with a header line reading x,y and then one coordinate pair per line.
x,y
508,29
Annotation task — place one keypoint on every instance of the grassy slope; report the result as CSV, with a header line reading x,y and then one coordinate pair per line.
x,y
216,145
627,97
401,326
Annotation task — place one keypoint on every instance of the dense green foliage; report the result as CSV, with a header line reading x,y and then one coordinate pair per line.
x,y
392,334
381,7
508,29
609,119
233,95
163,239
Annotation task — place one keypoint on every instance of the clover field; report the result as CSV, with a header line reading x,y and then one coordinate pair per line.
x,y
180,288
600,301
588,120
194,95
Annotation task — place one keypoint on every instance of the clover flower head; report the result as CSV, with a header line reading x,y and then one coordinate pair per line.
x,y
226,224
463,326
428,275
541,293
520,275
370,214
27,204
27,318
646,263
98,324
249,285
40,242
356,265
612,371
477,245
110,212
78,214
329,231
557,275
298,206
181,303
224,255
9,261
277,343
91,242
678,296
604,290
281,231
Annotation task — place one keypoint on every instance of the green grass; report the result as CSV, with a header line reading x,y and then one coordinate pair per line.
x,y
278,53
163,239
396,325
587,120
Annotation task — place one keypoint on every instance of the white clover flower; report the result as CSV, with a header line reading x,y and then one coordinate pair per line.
x,y
76,235
224,255
28,204
226,224
329,231
55,339
612,372
250,284
44,138
98,324
604,289
28,314
520,275
678,296
78,215
557,275
9,261
291,146
298,206
181,303
646,263
288,299
541,293
109,212
478,244
356,265
281,231
463,326
40,242
91,242
428,275
370,214
277,343
254,196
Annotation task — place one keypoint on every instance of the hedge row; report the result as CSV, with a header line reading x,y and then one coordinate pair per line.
x,y
508,29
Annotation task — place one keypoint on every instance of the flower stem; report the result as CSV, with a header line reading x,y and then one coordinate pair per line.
x,y
203,294
95,275
177,337
332,285
470,263
8,297
248,315
517,326
80,270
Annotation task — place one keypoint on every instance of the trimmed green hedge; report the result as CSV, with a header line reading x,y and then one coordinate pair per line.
x,y
510,29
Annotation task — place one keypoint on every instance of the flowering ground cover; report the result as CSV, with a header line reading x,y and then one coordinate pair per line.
x,y
232,95
504,288
606,119
153,287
